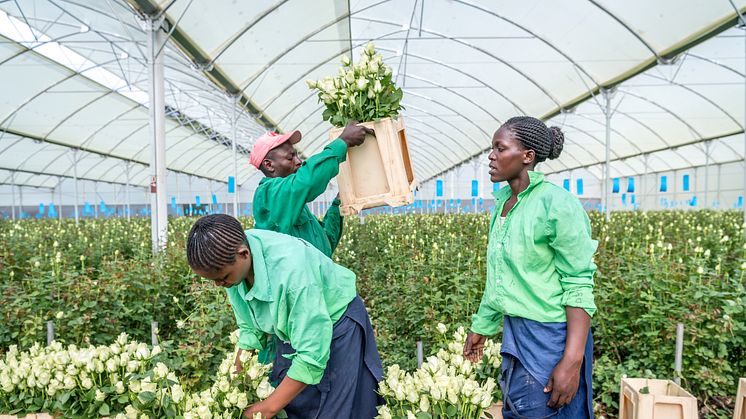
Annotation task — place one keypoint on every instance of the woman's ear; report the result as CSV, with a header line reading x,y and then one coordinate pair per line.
x,y
529,157
244,252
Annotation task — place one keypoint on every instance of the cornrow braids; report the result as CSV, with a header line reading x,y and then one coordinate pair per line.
x,y
546,142
213,242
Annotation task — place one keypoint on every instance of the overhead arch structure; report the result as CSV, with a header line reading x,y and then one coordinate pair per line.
x,y
74,76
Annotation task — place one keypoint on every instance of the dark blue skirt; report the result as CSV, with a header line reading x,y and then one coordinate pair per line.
x,y
348,386
530,352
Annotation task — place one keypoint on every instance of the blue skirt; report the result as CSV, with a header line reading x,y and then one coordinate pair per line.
x,y
348,386
530,352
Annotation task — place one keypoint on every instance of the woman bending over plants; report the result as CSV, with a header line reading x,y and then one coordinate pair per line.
x,y
539,281
326,361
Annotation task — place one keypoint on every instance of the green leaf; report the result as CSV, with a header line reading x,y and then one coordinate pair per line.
x,y
146,397
103,410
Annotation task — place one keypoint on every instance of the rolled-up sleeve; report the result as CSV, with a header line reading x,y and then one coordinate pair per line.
x,y
310,331
569,232
248,337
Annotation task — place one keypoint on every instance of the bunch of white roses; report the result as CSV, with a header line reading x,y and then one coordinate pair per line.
x,y
124,380
446,386
362,91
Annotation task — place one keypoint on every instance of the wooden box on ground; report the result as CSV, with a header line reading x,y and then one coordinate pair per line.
x,y
496,411
379,172
642,398
740,412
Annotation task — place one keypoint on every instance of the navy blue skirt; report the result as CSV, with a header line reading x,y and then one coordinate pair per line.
x,y
530,352
348,386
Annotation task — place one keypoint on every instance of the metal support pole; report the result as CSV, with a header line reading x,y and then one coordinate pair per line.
x,y
95,198
127,191
20,201
159,208
154,333
13,194
707,173
59,206
643,182
234,122
50,332
743,24
679,352
717,196
607,168
75,175
420,354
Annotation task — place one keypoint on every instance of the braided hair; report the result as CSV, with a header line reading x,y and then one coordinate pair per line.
x,y
213,242
546,142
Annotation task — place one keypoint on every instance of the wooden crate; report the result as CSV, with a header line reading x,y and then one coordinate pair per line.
x,y
496,410
379,172
740,412
664,400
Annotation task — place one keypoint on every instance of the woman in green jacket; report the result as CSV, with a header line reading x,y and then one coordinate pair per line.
x,y
539,281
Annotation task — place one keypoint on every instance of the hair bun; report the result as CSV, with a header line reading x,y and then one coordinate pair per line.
x,y
558,142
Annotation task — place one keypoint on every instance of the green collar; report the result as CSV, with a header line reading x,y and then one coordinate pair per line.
x,y
261,289
534,179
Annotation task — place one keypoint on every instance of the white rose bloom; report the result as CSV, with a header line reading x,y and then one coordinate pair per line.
x,y
345,60
411,415
424,404
60,314
384,412
100,396
119,387
156,350
177,393
112,365
161,370
204,412
264,390
87,383
134,386
242,401
442,329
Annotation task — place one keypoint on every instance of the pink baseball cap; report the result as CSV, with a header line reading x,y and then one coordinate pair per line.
x,y
267,142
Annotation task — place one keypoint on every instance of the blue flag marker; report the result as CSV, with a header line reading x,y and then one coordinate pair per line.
x,y
197,200
579,186
173,202
214,199
474,187
686,183
566,184
231,184
615,187
496,187
439,187
51,212
664,184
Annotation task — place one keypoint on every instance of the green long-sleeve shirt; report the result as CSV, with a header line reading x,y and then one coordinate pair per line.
x,y
280,203
298,294
539,260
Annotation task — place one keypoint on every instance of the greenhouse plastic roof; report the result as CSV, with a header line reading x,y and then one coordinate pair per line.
x,y
74,80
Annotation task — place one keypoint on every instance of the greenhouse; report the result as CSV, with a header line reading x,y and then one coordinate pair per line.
x,y
484,190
